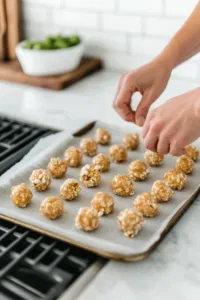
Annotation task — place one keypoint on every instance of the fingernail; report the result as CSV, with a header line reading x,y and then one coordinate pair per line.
x,y
140,121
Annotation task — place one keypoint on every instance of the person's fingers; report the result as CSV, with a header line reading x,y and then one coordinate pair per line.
x,y
151,141
125,111
146,125
120,82
163,146
142,110
175,151
123,101
177,147
145,129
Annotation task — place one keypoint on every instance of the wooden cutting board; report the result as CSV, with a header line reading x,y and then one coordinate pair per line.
x,y
12,71
2,30
13,26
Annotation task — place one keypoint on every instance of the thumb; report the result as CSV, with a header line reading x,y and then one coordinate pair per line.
x,y
142,110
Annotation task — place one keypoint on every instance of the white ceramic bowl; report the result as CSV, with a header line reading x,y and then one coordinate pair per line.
x,y
49,62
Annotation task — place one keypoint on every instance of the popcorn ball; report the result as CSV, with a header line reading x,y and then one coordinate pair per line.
x,y
146,205
131,141
138,170
101,162
161,191
117,153
21,195
102,136
122,186
87,219
73,156
70,189
88,146
103,203
176,179
153,158
192,152
52,207
185,164
90,176
130,222
57,167
40,179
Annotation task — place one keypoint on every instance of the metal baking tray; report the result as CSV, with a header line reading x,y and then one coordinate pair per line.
x,y
107,241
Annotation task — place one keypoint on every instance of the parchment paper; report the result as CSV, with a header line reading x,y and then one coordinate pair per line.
x,y
107,238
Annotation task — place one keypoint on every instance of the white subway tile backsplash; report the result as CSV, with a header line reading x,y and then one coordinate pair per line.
x,y
99,41
180,7
148,45
35,31
121,23
147,7
120,61
75,19
91,5
52,3
127,62
124,33
36,13
162,26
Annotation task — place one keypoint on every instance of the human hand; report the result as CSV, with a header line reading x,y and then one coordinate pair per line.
x,y
173,125
150,80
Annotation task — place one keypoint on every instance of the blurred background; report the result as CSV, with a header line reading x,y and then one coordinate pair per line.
x,y
124,33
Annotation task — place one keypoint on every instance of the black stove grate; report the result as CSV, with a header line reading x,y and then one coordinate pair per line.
x,y
16,139
33,266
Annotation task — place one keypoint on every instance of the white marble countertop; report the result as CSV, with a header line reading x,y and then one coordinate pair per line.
x,y
173,270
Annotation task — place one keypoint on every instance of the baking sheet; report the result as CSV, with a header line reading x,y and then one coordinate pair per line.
x,y
107,239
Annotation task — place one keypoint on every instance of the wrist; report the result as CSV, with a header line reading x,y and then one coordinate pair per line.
x,y
170,56
164,61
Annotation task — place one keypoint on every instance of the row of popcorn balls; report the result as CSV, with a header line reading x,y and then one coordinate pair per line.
x,y
146,205
102,203
117,153
21,195
130,140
